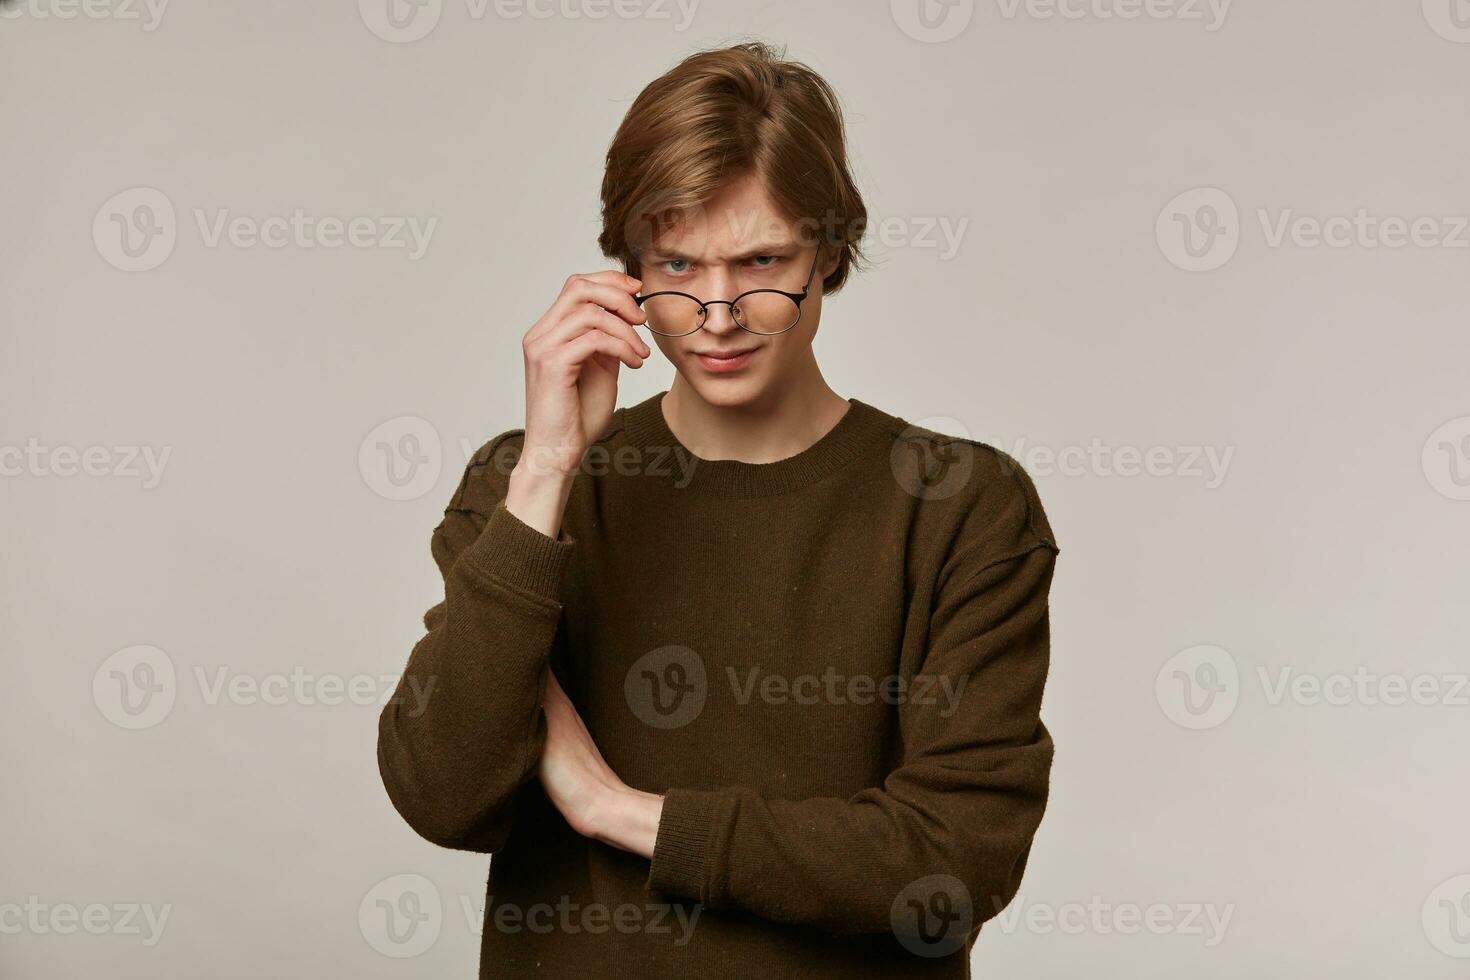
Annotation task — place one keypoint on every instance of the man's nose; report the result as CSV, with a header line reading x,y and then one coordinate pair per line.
x,y
719,315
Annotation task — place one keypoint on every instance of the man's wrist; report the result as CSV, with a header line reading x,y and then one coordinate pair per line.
x,y
538,497
626,818
554,463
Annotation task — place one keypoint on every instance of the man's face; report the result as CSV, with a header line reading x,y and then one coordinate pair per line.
x,y
740,241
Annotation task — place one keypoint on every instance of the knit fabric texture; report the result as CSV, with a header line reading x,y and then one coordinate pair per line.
x,y
831,666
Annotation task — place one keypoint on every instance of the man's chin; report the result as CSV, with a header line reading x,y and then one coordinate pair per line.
x,y
728,391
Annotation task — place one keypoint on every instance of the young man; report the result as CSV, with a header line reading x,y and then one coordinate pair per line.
x,y
731,682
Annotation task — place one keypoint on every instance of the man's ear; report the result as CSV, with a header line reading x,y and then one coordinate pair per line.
x,y
828,264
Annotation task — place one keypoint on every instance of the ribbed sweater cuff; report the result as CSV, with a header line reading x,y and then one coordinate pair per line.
x,y
681,850
519,555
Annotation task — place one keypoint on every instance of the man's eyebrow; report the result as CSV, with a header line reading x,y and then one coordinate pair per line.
x,y
763,248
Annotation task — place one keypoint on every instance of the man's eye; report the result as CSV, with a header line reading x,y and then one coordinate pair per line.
x,y
765,261
677,266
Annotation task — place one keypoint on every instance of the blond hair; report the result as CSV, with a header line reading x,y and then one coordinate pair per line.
x,y
719,115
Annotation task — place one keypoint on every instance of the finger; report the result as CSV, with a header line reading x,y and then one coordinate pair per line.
x,y
580,348
590,319
613,295
592,332
611,276
590,316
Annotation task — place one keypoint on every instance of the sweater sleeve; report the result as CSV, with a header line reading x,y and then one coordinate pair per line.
x,y
464,729
951,826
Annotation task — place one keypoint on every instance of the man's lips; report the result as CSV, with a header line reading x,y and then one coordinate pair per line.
x,y
734,352
731,360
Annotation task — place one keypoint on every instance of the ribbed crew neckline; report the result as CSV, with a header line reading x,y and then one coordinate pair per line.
x,y
645,428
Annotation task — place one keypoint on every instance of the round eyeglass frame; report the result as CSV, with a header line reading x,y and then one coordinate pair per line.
x,y
704,305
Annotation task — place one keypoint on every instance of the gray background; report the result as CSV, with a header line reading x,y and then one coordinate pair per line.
x,y
1066,319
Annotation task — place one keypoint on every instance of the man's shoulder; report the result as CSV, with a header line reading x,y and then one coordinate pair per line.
x,y
962,480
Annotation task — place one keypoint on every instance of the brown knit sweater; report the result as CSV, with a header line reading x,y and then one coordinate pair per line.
x,y
831,665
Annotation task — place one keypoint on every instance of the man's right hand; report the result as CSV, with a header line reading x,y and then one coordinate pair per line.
x,y
573,354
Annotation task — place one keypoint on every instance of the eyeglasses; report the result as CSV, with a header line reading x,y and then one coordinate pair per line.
x,y
759,311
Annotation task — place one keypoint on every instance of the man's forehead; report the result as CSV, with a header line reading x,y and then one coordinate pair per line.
x,y
725,233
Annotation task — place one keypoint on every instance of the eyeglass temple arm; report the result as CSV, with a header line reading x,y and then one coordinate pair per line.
x,y
813,271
